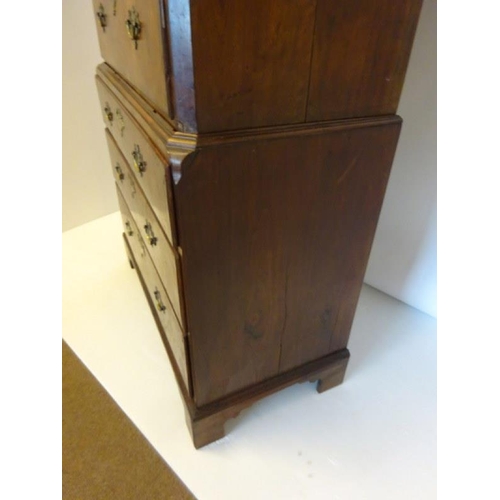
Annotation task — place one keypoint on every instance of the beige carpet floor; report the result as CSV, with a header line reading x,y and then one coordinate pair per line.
x,y
104,455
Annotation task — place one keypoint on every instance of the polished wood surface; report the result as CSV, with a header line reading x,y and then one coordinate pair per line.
x,y
251,65
155,179
165,258
360,54
141,261
145,66
276,236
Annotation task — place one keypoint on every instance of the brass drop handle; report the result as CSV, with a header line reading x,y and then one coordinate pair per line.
x,y
139,163
150,236
129,228
133,25
119,172
108,113
101,15
159,303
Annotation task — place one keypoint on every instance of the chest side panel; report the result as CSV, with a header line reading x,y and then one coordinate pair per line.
x,y
359,59
276,236
251,62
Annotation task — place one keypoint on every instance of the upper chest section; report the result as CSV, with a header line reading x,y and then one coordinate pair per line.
x,y
220,65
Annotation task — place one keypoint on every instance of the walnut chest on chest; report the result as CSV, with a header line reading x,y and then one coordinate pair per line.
x,y
251,142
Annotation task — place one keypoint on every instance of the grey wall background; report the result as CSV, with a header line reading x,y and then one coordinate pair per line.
x,y
403,259
88,188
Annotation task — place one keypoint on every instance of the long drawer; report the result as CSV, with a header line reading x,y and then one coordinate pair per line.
x,y
141,61
165,258
156,291
151,171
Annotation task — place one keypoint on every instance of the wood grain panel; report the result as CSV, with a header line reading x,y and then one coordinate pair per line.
x,y
276,236
331,237
361,51
251,62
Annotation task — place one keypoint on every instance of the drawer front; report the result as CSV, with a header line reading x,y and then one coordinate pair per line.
x,y
140,61
151,171
164,257
156,291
